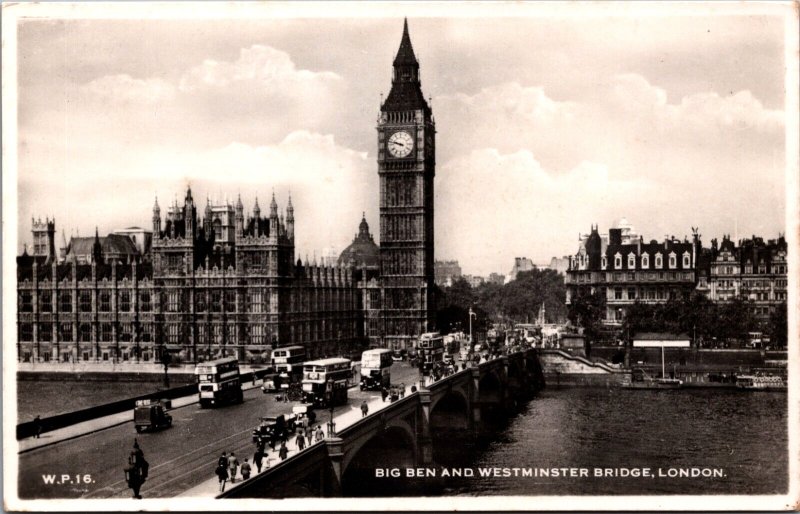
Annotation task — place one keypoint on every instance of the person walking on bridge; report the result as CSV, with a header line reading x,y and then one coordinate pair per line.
x,y
283,452
245,468
233,464
258,456
364,409
300,441
319,435
222,474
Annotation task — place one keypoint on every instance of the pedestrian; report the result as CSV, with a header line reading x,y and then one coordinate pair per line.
x,y
283,452
319,435
384,393
413,389
364,409
37,426
233,464
258,456
402,390
286,397
245,469
222,474
300,441
223,460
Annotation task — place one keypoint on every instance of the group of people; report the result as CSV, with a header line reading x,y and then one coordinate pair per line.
x,y
228,466
393,393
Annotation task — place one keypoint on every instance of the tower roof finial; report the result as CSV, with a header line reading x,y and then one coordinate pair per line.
x,y
405,54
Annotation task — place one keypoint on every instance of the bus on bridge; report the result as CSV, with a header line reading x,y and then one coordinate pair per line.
x,y
430,349
325,381
375,365
218,382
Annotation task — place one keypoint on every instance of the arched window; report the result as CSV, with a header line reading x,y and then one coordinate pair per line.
x,y
659,261
645,261
631,261
673,260
603,262
618,261
687,260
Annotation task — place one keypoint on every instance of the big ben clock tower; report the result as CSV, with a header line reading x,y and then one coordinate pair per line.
x,y
406,165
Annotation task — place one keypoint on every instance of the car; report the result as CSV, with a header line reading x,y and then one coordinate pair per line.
x,y
273,429
151,415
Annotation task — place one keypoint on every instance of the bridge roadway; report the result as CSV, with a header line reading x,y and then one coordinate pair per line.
x,y
419,430
180,457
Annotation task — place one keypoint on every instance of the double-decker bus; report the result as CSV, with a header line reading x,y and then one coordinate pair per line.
x,y
325,381
218,382
430,349
375,366
289,360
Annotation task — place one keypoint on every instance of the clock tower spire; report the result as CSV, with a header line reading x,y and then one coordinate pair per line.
x,y
406,167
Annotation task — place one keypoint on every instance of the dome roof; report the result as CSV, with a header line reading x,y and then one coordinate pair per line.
x,y
362,252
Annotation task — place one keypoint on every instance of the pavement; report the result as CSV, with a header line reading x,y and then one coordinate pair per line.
x,y
97,424
211,487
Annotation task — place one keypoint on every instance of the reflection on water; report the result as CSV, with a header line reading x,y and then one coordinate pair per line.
x,y
738,438
742,436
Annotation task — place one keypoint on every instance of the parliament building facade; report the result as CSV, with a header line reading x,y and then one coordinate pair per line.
x,y
229,282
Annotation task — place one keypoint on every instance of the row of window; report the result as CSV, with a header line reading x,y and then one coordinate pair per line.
x,y
174,333
66,332
633,276
105,355
104,303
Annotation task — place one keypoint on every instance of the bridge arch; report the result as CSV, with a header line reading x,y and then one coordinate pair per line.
x,y
450,411
393,447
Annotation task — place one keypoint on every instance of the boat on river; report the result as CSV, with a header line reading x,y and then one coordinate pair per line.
x,y
641,380
761,383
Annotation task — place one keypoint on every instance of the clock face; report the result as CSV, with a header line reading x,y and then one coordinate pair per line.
x,y
400,144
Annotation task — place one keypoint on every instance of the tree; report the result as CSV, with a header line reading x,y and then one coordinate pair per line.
x,y
778,326
587,312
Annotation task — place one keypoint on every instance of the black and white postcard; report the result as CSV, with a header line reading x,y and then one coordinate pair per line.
x,y
400,256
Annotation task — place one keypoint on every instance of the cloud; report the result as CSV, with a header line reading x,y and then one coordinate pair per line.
x,y
126,89
698,111
516,207
268,67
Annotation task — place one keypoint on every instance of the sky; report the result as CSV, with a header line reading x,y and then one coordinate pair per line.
x,y
546,125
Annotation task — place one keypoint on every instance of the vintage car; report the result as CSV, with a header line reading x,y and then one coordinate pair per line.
x,y
273,429
151,415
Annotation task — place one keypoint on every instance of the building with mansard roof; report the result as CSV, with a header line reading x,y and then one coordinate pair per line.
x,y
625,270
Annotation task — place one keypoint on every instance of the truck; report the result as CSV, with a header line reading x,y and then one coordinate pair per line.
x,y
151,415
273,429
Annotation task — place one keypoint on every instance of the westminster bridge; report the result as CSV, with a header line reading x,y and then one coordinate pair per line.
x,y
405,433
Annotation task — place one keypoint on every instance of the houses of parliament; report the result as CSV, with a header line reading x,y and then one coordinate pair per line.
x,y
218,280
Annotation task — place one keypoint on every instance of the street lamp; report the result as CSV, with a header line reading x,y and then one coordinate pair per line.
x,y
329,397
471,343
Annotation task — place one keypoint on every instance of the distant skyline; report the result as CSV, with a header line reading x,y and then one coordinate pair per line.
x,y
546,125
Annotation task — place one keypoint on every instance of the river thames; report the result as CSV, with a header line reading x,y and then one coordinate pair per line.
x,y
734,441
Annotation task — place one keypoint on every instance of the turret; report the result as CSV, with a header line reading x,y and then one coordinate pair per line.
x,y
290,219
239,217
256,210
189,215
156,220
273,208
97,248
207,218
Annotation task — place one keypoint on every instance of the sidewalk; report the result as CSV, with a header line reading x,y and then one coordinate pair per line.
x,y
210,488
95,425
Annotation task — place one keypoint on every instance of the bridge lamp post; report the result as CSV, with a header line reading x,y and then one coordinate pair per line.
x,y
471,342
329,397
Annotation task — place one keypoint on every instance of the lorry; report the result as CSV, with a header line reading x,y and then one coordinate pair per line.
x,y
151,414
